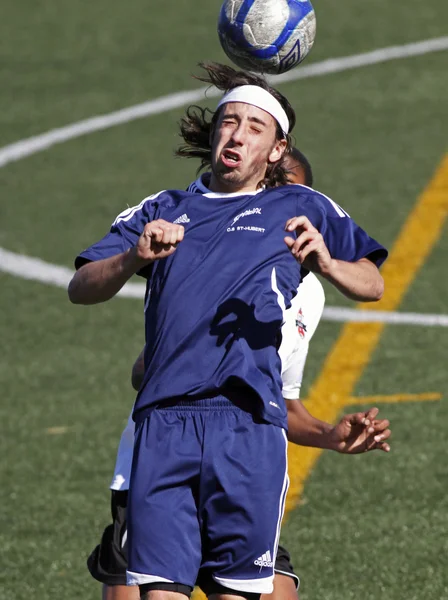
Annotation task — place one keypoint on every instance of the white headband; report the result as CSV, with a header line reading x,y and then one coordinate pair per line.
x,y
259,97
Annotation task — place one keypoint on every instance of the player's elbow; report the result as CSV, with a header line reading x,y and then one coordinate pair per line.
x,y
379,288
86,288
78,292
374,282
136,380
73,291
138,373
372,288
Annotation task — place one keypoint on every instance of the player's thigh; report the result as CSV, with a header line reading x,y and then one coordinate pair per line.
x,y
244,481
121,592
234,596
164,542
162,595
286,581
229,597
284,589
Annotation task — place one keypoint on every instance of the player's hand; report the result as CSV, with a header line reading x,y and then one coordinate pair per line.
x,y
361,432
158,240
309,249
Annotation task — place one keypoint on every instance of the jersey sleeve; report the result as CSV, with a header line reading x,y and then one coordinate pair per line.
x,y
292,372
344,239
301,321
124,232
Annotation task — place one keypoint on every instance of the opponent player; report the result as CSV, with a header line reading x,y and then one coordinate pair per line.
x,y
108,562
210,427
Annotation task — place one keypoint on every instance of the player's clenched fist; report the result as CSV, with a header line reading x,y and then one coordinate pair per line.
x,y
309,249
159,240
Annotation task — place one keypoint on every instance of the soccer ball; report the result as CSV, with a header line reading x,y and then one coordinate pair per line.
x,y
267,36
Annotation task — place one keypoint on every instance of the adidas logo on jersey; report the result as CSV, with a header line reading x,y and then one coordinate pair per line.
x,y
265,560
182,219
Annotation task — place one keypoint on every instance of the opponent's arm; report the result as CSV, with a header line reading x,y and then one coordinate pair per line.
x,y
100,280
355,433
360,280
138,371
303,428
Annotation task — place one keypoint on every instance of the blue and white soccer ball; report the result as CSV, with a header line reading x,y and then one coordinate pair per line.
x,y
267,36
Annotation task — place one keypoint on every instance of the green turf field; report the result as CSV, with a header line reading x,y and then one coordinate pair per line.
x,y
365,527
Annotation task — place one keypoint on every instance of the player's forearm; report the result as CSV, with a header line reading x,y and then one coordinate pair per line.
x,y
101,280
360,281
306,430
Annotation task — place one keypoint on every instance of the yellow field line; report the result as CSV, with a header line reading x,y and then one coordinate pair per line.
x,y
394,398
352,351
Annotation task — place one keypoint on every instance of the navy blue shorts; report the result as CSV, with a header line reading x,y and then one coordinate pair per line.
x,y
208,488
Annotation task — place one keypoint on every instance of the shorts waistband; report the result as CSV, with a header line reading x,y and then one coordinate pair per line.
x,y
216,402
240,399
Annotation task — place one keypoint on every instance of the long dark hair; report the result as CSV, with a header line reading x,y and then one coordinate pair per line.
x,y
196,127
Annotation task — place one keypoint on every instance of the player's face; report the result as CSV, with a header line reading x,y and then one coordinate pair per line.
x,y
243,145
296,174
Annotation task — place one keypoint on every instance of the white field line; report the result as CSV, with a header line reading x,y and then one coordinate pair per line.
x,y
342,315
36,269
32,145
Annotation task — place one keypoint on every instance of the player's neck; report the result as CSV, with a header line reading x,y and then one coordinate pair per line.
x,y
223,187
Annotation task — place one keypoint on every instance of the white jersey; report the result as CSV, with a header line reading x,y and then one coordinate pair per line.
x,y
300,323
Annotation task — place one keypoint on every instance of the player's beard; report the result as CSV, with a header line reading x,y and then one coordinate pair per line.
x,y
237,178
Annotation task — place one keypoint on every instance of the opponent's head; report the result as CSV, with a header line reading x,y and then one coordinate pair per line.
x,y
298,167
246,137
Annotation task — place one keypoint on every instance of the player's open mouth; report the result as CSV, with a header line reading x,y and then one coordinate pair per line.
x,y
230,158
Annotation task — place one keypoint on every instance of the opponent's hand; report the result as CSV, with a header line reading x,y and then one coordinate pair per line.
x,y
158,240
309,249
361,432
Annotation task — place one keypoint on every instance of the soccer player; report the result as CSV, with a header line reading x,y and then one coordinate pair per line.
x,y
108,561
211,424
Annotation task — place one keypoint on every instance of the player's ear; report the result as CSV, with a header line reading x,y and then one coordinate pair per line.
x,y
277,151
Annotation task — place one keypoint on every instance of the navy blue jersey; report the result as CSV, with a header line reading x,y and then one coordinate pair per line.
x,y
216,305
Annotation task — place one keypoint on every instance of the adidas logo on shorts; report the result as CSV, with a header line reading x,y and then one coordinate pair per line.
x,y
182,219
265,560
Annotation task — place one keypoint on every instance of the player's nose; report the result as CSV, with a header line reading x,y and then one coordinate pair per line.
x,y
238,135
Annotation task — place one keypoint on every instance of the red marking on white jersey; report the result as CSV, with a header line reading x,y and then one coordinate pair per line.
x,y
301,327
